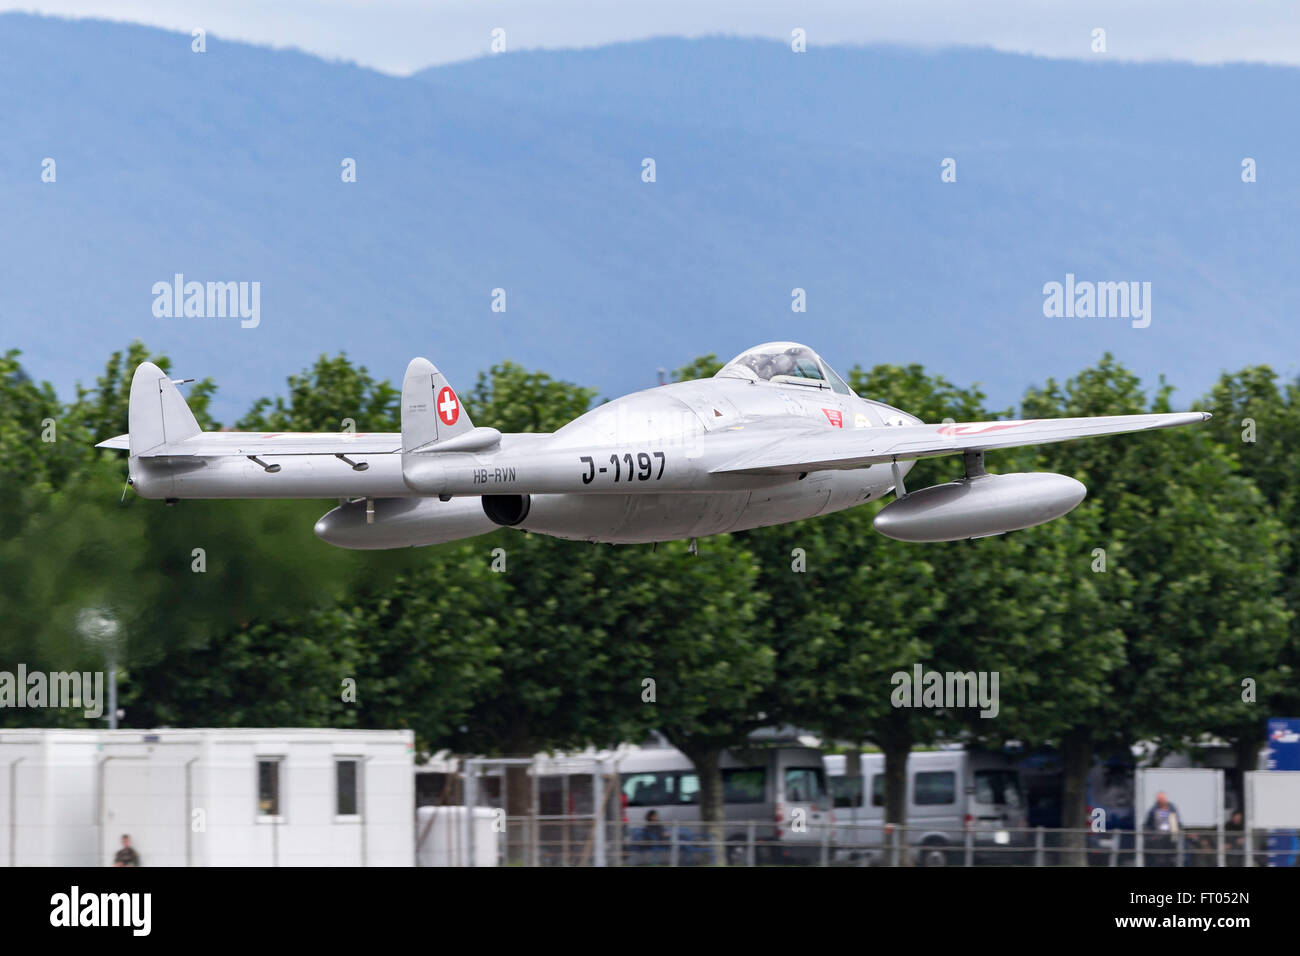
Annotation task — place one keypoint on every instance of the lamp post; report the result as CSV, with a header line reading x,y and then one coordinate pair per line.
x,y
98,626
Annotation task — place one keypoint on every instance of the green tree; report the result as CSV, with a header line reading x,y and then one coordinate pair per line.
x,y
325,397
706,366
697,627
864,607
263,673
102,411
1193,554
512,399
1257,422
39,447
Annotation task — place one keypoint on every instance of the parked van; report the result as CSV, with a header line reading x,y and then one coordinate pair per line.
x,y
781,789
948,793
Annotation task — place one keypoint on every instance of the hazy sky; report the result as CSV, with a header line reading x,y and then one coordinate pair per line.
x,y
400,36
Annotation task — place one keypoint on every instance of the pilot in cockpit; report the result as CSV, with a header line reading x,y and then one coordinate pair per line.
x,y
780,363
785,362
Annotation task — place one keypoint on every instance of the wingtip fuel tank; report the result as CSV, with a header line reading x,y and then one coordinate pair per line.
x,y
977,507
402,523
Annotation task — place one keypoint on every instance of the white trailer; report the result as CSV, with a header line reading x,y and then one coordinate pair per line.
x,y
208,797
47,797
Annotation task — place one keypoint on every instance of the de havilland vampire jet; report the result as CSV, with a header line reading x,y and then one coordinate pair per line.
x,y
774,436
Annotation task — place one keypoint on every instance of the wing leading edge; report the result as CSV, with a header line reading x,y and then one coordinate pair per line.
x,y
824,450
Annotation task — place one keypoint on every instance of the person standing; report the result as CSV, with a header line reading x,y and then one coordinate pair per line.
x,y
1235,827
1162,825
127,856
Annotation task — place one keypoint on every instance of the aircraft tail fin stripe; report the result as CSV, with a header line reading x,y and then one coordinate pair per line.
x,y
157,414
431,409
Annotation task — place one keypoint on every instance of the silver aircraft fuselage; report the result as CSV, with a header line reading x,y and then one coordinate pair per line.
x,y
775,436
649,437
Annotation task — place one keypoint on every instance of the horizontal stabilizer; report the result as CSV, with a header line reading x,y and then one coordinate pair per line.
x,y
162,426
216,444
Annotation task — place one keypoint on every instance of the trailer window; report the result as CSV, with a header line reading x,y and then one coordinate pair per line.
x,y
935,788
345,784
268,786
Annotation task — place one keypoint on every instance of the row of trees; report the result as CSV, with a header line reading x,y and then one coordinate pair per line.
x,y
1161,609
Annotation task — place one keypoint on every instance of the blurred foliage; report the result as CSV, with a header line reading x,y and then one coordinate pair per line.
x,y
325,398
706,366
512,399
580,644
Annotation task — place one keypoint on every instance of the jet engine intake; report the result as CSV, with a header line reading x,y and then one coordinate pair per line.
x,y
506,510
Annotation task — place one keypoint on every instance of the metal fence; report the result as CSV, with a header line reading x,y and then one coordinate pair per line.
x,y
576,841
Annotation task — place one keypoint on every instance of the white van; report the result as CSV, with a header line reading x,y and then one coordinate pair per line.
x,y
780,789
948,793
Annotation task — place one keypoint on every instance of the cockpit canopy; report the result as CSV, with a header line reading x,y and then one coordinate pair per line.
x,y
785,363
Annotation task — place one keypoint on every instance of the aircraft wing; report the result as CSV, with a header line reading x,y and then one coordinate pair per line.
x,y
216,444
823,449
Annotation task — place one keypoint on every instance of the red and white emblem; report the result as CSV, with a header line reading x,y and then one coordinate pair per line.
x,y
836,416
980,429
448,406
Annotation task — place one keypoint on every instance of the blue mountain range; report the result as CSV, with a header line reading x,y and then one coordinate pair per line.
x,y
525,172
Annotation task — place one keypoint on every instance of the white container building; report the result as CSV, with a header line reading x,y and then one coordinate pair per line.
x,y
208,797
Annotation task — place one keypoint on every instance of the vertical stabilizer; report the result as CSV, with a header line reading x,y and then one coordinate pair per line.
x,y
431,409
157,414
